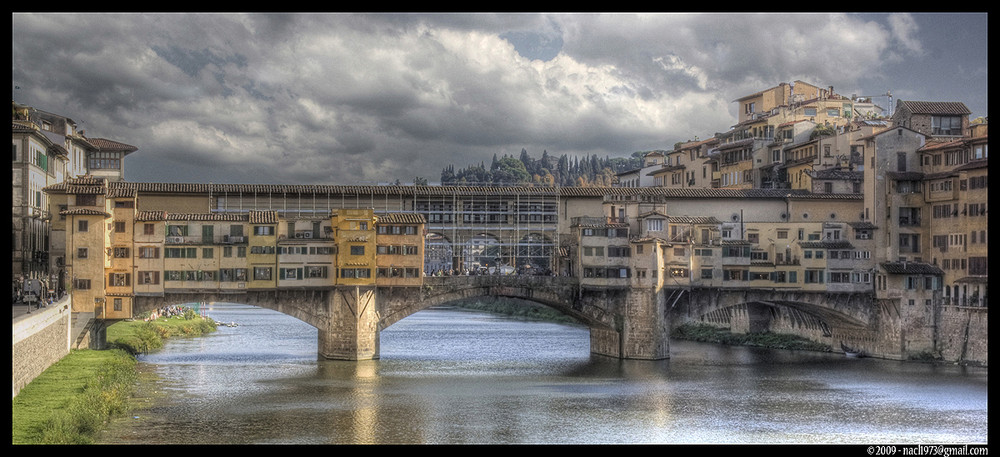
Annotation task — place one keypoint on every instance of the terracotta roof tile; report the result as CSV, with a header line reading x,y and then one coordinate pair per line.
x,y
401,218
121,193
150,216
105,144
694,220
263,217
935,107
83,212
234,217
827,244
911,268
86,190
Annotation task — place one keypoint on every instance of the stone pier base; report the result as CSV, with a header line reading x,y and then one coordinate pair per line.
x,y
351,331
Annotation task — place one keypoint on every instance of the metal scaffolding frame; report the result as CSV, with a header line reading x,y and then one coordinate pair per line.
x,y
486,226
483,225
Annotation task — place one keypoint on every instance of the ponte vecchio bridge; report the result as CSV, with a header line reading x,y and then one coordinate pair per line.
x,y
630,263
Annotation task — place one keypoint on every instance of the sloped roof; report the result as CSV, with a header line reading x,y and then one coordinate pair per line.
x,y
693,220
83,212
918,107
401,218
149,216
973,164
911,268
827,244
263,217
234,217
105,144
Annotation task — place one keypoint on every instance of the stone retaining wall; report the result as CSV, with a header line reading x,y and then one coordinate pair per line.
x,y
39,340
964,334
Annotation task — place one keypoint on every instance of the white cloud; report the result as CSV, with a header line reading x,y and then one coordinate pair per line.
x,y
905,32
310,98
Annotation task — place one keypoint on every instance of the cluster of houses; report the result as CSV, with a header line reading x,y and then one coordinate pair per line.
x,y
905,207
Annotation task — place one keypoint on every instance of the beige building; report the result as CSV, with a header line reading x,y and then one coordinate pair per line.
x,y
399,250
47,149
306,252
925,194
687,165
955,194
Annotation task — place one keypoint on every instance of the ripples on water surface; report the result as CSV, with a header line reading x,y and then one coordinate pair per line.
x,y
453,376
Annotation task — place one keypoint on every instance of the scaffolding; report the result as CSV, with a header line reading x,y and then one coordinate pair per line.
x,y
486,227
468,227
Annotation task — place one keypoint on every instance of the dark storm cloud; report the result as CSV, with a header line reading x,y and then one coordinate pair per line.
x,y
344,98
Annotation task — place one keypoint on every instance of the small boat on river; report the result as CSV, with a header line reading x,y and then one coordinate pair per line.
x,y
851,352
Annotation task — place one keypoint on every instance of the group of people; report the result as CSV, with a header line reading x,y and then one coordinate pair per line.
x,y
166,311
34,292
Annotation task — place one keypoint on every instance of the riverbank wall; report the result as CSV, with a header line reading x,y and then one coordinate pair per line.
x,y
40,338
964,334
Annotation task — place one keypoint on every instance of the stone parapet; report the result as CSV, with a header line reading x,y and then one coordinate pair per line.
x,y
39,340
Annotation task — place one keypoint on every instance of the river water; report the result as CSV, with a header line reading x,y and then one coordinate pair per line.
x,y
450,376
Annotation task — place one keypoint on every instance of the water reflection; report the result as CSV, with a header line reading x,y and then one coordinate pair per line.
x,y
450,376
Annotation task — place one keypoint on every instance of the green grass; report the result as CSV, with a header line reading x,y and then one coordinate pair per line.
x,y
73,398
76,397
140,337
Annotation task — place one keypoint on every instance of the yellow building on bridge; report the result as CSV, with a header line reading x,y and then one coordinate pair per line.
x,y
114,251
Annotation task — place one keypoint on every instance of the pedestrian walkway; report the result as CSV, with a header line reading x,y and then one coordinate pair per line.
x,y
22,310
79,321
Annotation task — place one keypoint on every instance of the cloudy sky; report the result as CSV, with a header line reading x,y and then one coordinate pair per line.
x,y
366,98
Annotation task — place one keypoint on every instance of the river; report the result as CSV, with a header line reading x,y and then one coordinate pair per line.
x,y
451,376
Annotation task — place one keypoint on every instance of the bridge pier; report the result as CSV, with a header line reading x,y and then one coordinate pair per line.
x,y
640,329
350,331
645,331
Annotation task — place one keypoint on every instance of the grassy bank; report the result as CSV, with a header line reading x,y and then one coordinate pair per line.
x,y
140,337
709,334
75,398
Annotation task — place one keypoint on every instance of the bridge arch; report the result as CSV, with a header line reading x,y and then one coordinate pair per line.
x,y
301,304
557,293
825,317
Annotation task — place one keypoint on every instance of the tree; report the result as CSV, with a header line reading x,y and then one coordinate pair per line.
x,y
511,171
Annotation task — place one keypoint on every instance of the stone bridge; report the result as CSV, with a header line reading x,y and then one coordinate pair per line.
x,y
625,323
630,323
827,317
